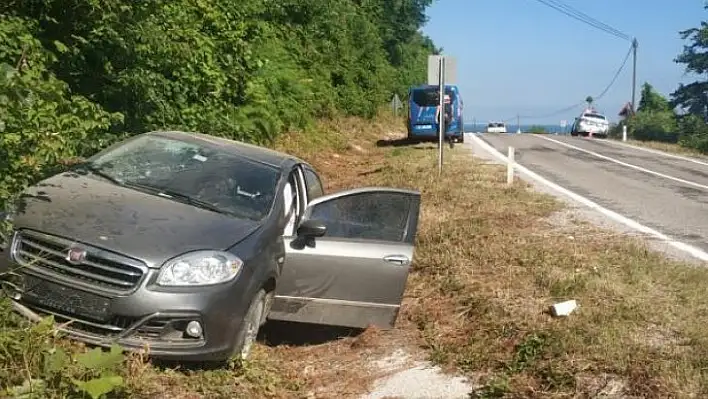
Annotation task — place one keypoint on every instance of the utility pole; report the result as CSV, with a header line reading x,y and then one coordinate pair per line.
x,y
518,123
635,44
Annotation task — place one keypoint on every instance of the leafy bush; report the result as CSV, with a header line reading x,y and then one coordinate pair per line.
x,y
34,363
693,133
654,126
538,129
41,122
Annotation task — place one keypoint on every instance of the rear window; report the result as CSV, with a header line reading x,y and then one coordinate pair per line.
x,y
595,116
429,97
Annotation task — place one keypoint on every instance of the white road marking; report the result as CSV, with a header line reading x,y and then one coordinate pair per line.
x,y
629,165
657,152
691,250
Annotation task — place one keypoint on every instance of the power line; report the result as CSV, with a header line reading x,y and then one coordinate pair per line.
x,y
599,96
593,21
626,57
582,17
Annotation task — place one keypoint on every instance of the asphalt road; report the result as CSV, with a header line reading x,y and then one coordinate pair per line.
x,y
665,193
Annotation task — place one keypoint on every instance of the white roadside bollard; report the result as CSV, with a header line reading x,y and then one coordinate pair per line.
x,y
624,132
510,167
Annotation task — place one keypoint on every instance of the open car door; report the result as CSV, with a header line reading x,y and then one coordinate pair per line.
x,y
348,263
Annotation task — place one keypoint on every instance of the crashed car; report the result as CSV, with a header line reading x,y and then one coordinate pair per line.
x,y
590,123
185,244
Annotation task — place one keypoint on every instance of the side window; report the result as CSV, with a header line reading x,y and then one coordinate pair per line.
x,y
314,185
368,216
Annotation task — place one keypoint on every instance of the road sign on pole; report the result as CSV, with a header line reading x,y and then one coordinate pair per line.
x,y
564,123
434,70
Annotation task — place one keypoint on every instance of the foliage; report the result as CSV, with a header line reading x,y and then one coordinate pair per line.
x,y
693,97
654,120
694,133
538,129
47,368
651,101
41,121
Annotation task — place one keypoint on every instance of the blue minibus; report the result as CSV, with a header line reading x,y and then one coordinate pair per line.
x,y
423,102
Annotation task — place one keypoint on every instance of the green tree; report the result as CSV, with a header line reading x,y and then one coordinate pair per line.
x,y
654,120
652,101
693,97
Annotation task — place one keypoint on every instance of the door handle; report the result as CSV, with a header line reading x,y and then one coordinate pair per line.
x,y
400,260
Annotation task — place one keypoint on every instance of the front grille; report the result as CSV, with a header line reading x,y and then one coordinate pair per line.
x,y
100,268
111,328
114,327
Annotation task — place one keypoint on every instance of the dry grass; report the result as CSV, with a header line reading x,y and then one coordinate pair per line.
x,y
666,147
489,261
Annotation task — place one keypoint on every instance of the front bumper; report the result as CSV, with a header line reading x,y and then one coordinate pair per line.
x,y
147,321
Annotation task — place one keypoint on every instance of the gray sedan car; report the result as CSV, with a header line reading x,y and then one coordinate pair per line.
x,y
186,244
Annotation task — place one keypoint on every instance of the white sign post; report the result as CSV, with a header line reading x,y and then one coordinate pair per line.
x,y
563,124
441,120
442,70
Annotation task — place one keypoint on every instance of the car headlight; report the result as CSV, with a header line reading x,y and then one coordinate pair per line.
x,y
200,268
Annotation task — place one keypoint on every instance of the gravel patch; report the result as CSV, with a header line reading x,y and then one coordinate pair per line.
x,y
421,381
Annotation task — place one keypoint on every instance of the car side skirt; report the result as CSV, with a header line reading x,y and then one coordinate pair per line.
x,y
334,312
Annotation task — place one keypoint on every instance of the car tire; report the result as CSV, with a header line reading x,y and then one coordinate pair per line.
x,y
248,330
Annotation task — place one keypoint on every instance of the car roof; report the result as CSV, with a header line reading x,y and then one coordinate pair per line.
x,y
423,87
255,153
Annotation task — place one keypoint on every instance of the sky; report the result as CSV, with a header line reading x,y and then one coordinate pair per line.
x,y
522,57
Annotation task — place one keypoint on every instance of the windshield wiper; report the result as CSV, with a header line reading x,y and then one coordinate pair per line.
x,y
193,201
98,171
167,193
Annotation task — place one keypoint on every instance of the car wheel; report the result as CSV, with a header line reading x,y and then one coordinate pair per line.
x,y
248,331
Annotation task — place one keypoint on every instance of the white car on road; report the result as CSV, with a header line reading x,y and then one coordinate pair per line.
x,y
590,123
496,127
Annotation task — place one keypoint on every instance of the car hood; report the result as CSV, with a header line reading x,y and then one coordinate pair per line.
x,y
125,221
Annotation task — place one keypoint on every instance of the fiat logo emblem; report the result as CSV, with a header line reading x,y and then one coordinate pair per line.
x,y
75,256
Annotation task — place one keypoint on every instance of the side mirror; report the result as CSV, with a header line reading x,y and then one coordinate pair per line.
x,y
311,229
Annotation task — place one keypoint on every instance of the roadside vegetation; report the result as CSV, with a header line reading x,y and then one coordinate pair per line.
x,y
538,129
657,119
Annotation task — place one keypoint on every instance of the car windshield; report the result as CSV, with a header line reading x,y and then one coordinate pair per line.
x,y
201,175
